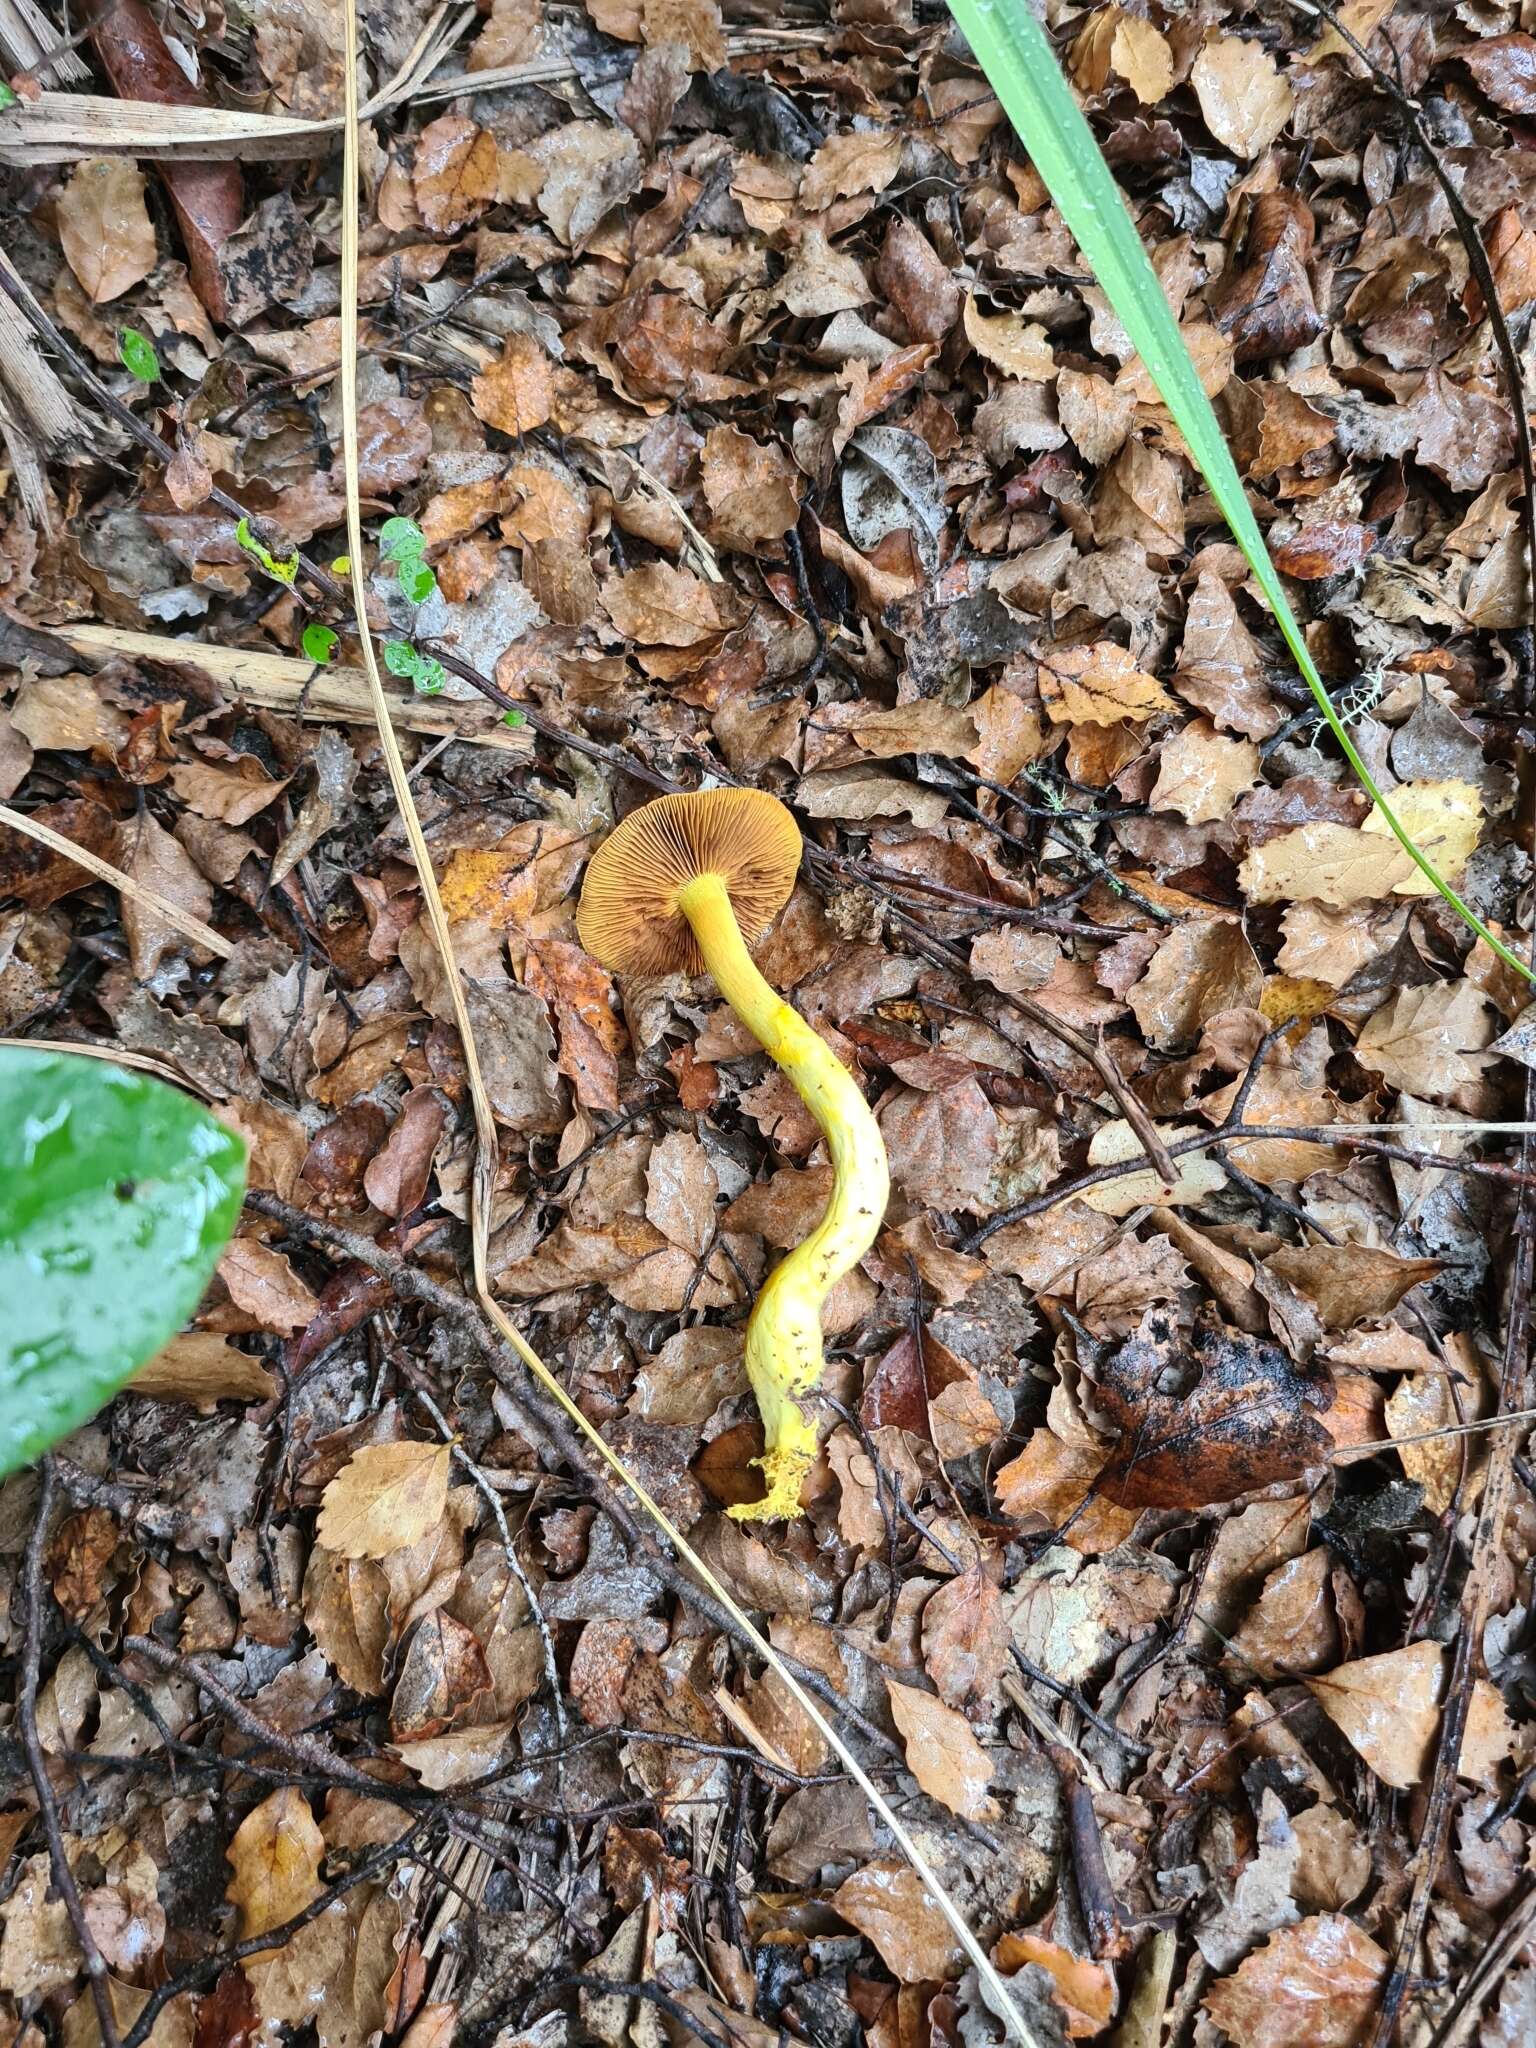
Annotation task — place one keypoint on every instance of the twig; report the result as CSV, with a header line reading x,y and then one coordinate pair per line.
x,y
305,1751
609,1987
37,1764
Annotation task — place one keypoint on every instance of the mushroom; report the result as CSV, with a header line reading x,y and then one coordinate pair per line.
x,y
672,890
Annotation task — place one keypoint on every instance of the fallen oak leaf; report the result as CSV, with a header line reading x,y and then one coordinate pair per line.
x,y
386,1498
1350,1283
1098,685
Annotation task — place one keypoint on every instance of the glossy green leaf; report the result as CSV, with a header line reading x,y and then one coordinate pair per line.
x,y
318,642
138,356
117,1195
400,657
1020,65
417,580
400,539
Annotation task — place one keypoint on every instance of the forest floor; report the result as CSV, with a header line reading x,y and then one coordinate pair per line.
x,y
760,424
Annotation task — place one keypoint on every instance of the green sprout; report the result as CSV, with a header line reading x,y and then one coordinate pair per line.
x,y
318,643
280,572
138,356
426,675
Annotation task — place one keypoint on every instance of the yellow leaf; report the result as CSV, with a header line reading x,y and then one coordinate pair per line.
x,y
1243,98
1361,17
276,1856
1445,820
491,884
1098,685
387,1498
1199,1174
1141,55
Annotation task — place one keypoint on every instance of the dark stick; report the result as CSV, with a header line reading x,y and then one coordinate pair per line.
x,y
37,1764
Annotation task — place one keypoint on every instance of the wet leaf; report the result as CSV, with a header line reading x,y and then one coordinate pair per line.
x,y
276,1855
942,1753
516,393
1098,685
886,1902
1314,1985
1243,98
1207,1418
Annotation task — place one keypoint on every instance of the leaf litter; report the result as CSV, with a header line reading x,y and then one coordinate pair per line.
x,y
758,424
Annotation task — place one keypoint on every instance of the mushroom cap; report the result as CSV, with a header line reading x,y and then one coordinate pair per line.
x,y
628,916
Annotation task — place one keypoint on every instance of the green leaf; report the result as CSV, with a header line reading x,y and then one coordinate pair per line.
x,y
400,539
318,643
117,1195
400,657
138,355
429,676
417,580
1020,65
7,97
513,718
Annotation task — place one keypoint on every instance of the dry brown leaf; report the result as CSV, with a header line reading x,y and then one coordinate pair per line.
x,y
965,1637
1342,864
1350,1283
1429,1041
203,1368
517,392
276,1855
942,1753
263,1284
1389,1709
455,172
849,164
1243,97
385,1499
660,606
752,490
104,226
1096,413
1098,685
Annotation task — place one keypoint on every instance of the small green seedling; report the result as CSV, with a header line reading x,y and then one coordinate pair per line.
x,y
138,356
7,98
280,572
426,675
318,643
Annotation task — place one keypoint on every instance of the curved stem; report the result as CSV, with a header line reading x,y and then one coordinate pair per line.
x,y
784,1350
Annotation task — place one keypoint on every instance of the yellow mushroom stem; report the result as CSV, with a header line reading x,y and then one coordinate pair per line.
x,y
784,1355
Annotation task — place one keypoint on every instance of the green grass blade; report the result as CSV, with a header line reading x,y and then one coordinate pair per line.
x,y
1020,65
